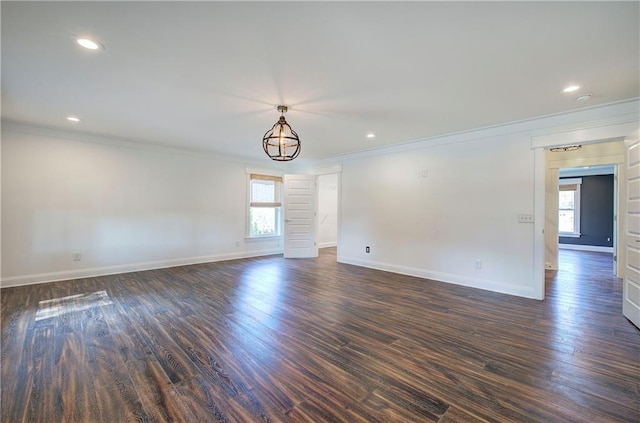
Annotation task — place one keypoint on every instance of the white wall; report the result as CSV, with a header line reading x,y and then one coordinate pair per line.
x,y
466,208
123,208
127,207
327,210
440,225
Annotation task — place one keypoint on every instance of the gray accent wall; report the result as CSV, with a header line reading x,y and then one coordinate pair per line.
x,y
596,212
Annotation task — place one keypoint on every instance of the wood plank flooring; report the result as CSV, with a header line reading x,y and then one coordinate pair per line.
x,y
275,340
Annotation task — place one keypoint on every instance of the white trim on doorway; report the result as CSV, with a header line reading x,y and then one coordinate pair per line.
x,y
594,136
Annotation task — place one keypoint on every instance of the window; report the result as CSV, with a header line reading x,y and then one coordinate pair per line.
x,y
569,207
264,205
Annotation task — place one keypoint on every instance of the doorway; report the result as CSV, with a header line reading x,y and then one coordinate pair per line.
x,y
597,144
587,210
328,210
311,213
609,153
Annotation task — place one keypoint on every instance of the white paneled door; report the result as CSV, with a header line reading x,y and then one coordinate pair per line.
x,y
300,222
631,288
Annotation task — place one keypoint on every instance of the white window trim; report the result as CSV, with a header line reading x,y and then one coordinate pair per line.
x,y
248,237
576,207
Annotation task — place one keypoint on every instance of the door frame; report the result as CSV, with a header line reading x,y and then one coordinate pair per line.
x,y
320,203
551,226
607,131
329,170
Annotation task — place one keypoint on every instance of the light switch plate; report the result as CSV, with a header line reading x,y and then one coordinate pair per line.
x,y
525,217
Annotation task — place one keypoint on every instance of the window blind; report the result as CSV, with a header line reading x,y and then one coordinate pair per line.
x,y
276,181
568,187
266,177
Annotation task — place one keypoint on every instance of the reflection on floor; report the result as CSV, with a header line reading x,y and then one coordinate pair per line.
x,y
71,304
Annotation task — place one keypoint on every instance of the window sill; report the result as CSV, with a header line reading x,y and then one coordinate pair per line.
x,y
569,235
259,238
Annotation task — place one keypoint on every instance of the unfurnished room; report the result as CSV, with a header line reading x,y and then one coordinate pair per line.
x,y
320,211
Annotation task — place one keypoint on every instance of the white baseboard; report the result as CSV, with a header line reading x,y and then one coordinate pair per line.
x,y
126,268
586,248
487,285
327,244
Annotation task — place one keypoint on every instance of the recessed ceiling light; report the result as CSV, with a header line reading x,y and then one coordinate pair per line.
x,y
371,135
89,44
571,88
73,119
583,97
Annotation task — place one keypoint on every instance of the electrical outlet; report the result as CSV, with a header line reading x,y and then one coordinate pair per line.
x,y
478,264
237,243
367,249
76,256
423,173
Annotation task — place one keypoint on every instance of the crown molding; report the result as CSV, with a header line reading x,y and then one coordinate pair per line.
x,y
80,136
621,112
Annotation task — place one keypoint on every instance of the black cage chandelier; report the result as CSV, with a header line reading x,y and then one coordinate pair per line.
x,y
281,143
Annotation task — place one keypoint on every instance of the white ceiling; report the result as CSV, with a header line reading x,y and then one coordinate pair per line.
x,y
209,75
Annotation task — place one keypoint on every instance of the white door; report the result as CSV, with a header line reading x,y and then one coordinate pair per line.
x,y
300,222
631,284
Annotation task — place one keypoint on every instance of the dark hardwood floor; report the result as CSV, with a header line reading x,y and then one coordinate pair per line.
x,y
268,339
